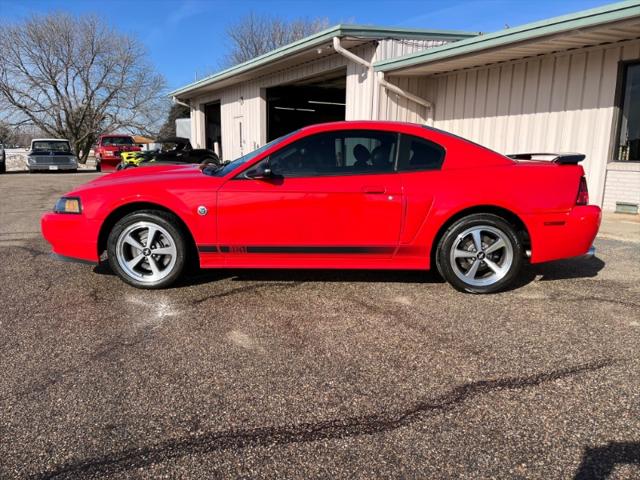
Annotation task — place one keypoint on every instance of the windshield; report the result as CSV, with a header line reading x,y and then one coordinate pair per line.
x,y
117,141
51,146
221,171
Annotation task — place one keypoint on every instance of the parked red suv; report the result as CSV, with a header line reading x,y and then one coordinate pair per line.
x,y
108,150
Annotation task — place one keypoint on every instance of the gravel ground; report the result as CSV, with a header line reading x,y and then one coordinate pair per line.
x,y
263,374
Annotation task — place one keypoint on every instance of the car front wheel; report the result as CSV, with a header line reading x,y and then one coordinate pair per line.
x,y
147,249
480,253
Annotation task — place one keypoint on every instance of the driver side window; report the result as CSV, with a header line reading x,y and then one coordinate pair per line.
x,y
353,152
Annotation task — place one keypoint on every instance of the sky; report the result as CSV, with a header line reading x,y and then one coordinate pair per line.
x,y
186,39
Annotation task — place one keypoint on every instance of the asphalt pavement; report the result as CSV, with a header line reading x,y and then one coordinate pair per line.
x,y
311,374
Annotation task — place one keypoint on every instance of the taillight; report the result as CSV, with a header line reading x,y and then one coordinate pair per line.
x,y
583,193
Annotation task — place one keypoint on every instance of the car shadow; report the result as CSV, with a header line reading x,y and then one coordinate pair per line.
x,y
598,463
572,268
558,270
314,275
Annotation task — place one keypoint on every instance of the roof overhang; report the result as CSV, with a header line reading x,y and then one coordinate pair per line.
x,y
611,23
307,49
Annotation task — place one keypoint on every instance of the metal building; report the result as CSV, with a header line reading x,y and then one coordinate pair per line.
x,y
569,83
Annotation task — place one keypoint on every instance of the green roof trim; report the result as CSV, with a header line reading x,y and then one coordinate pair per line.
x,y
583,19
358,31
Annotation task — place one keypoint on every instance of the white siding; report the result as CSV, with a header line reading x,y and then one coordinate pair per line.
x,y
391,106
553,103
246,99
391,48
557,102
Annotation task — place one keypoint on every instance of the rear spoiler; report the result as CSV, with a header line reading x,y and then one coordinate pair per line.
x,y
559,158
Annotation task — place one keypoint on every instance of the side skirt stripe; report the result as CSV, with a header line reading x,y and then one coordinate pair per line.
x,y
295,249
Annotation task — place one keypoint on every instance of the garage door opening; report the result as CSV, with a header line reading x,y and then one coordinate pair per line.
x,y
294,106
213,127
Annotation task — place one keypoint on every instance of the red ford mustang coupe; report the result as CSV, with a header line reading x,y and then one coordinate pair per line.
x,y
351,195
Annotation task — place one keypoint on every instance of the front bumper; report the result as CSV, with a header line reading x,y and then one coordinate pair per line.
x,y
109,164
51,166
71,235
564,235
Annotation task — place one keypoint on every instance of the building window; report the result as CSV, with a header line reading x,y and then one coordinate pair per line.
x,y
629,139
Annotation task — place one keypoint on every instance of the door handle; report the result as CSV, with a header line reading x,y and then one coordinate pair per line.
x,y
374,189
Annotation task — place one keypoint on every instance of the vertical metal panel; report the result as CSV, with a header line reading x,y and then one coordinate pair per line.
x,y
556,102
246,98
392,106
359,94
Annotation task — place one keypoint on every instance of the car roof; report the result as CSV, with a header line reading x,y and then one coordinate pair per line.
x,y
369,123
115,135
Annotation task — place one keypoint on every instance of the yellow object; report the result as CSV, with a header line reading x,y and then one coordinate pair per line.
x,y
131,158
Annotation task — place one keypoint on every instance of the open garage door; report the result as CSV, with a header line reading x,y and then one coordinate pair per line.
x,y
213,131
297,105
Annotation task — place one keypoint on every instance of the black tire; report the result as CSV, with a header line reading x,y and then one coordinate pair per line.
x,y
98,165
3,167
169,233
459,238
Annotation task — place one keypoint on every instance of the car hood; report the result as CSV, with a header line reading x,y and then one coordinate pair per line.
x,y
162,175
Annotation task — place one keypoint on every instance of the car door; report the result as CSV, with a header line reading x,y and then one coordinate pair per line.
x,y
330,195
418,167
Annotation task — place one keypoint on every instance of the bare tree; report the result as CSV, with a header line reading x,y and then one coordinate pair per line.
x,y
254,35
75,77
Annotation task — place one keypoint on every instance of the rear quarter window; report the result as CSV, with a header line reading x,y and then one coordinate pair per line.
x,y
419,154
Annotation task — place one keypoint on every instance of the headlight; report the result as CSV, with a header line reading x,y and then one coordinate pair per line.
x,y
68,205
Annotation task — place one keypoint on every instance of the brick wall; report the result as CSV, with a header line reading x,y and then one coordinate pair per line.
x,y
622,184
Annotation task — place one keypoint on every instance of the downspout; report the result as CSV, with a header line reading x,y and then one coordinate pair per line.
x,y
380,78
180,102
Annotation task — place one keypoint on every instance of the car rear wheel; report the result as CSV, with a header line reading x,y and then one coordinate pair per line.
x,y
480,253
147,249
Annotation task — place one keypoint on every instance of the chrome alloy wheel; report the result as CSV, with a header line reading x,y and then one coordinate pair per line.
x,y
481,256
146,252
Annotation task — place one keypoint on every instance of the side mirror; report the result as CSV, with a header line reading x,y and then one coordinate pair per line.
x,y
260,172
